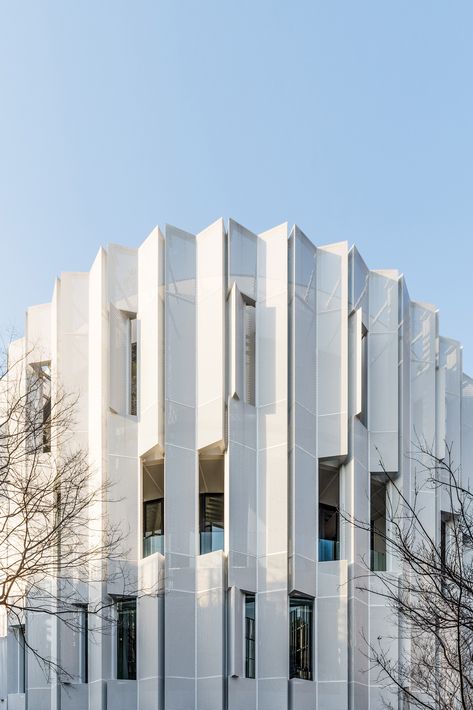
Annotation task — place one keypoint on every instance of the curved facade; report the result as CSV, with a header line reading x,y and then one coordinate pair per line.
x,y
237,389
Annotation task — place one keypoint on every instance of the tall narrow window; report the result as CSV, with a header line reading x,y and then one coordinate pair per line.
x,y
126,639
443,542
250,351
133,398
211,504
250,635
364,376
153,508
300,638
83,623
39,406
21,659
329,533
378,525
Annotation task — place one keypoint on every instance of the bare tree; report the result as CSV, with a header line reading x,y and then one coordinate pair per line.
x,y
429,588
53,539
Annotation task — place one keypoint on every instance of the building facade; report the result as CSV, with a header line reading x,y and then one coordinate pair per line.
x,y
237,390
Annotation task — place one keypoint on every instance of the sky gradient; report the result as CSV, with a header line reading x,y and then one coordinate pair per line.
x,y
352,119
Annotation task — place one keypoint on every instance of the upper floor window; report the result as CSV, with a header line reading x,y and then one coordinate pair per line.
x,y
39,406
300,638
364,376
378,525
250,351
329,524
132,366
153,508
211,504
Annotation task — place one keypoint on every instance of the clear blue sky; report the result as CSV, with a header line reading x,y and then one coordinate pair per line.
x,y
352,118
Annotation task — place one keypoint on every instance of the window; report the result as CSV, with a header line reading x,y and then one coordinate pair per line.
x,y
133,346
39,406
21,658
153,508
83,624
364,376
250,350
329,495
211,504
378,525
250,635
300,638
126,639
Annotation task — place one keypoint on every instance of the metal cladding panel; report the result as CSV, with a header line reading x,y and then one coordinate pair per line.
x,y
467,431
242,437
271,401
211,335
383,369
424,335
150,636
72,343
180,469
151,342
358,284
332,628
302,413
242,255
123,277
450,361
332,346
211,590
38,332
100,652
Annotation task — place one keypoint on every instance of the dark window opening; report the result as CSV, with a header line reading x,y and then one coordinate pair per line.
x,y
364,376
133,368
21,639
300,638
153,508
250,636
126,639
378,525
211,504
211,522
329,525
250,352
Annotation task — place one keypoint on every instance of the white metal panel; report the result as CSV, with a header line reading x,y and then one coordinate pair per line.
x,y
332,349
210,335
151,342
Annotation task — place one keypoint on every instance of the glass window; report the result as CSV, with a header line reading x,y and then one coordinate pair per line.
x,y
211,503
133,367
364,377
39,406
126,639
250,352
83,644
153,507
300,638
378,525
21,658
153,521
211,522
329,533
250,635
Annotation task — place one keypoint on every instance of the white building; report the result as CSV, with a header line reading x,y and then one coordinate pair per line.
x,y
237,389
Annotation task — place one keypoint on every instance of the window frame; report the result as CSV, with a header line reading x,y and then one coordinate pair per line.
x,y
118,604
297,670
249,639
